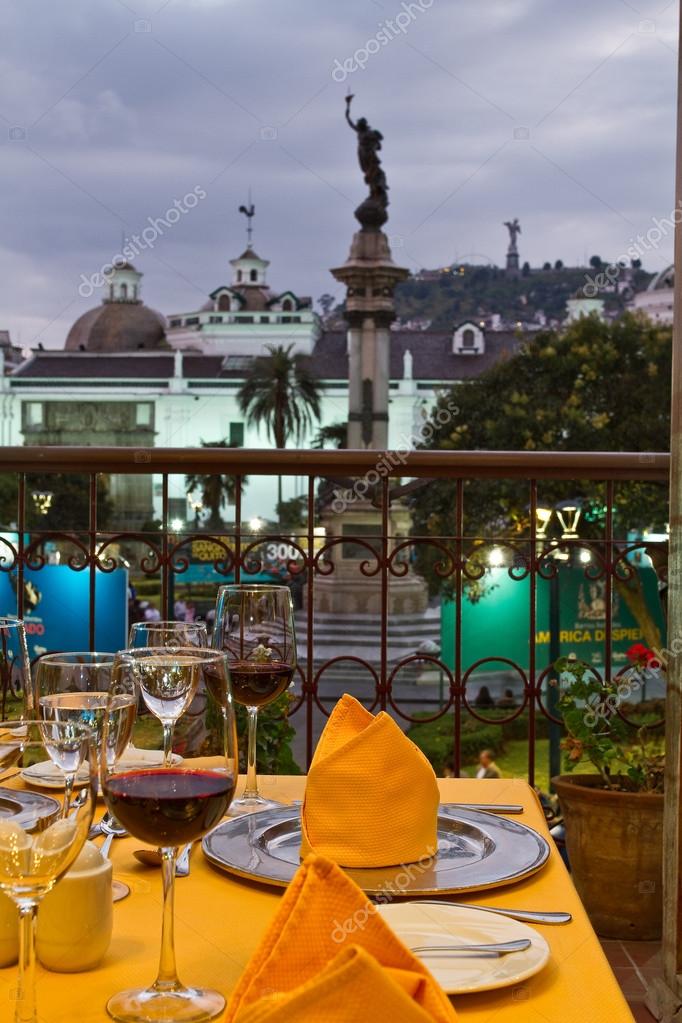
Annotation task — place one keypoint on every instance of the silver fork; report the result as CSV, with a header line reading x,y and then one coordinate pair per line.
x,y
498,948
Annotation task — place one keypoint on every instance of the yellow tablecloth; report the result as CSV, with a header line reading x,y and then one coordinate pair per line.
x,y
219,919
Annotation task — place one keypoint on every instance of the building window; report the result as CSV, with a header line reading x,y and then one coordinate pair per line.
x,y
264,319
215,319
239,276
124,291
236,435
224,303
135,291
143,413
33,413
176,323
287,305
468,338
253,275
191,321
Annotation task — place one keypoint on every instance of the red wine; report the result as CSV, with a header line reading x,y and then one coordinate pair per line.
x,y
255,684
170,807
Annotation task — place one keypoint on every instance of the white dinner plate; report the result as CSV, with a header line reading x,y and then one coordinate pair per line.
x,y
421,924
47,775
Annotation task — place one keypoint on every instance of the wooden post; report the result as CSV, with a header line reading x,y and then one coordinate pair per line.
x,y
665,999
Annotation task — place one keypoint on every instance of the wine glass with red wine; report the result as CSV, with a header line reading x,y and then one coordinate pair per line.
x,y
254,626
170,801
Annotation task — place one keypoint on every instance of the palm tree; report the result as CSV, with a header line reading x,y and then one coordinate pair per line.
x,y
335,434
217,490
282,394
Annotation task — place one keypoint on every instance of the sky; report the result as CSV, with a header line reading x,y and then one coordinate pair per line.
x,y
113,111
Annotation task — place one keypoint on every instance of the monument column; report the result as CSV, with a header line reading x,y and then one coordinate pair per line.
x,y
370,277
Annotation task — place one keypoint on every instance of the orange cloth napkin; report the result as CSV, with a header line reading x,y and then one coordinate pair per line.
x,y
328,957
371,797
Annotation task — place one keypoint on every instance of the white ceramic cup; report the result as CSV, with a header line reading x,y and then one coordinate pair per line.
x,y
75,919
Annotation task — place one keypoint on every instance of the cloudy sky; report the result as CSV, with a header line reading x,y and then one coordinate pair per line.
x,y
561,114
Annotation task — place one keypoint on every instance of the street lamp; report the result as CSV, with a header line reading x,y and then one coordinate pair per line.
x,y
256,524
42,500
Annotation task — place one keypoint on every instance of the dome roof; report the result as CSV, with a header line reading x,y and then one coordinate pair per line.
x,y
663,280
118,327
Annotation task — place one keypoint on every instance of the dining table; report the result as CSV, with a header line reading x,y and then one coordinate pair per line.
x,y
220,918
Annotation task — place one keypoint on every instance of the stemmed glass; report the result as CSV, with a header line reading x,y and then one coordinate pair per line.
x,y
15,669
254,625
73,687
173,804
32,861
167,634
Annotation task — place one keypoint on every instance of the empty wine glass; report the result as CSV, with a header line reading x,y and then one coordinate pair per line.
x,y
72,687
172,803
146,634
32,861
254,625
15,668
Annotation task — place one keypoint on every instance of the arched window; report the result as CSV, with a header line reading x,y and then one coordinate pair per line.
x,y
468,338
111,292
124,291
239,276
224,303
287,305
135,291
253,275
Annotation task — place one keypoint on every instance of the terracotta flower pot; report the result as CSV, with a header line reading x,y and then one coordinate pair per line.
x,y
615,845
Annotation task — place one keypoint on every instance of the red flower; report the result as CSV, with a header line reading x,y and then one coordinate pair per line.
x,y
642,656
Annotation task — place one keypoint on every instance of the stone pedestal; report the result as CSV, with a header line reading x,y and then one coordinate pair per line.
x,y
347,589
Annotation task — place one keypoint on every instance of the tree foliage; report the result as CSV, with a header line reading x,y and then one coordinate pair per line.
x,y
591,387
281,394
217,490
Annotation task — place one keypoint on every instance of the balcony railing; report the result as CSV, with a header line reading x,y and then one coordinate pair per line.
x,y
351,577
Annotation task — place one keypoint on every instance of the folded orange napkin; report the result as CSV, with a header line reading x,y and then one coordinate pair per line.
x,y
371,797
328,957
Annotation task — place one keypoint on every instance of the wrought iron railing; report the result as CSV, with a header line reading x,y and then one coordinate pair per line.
x,y
415,685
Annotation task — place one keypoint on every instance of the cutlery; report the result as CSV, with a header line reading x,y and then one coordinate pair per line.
x,y
532,916
486,807
106,845
500,948
107,827
152,858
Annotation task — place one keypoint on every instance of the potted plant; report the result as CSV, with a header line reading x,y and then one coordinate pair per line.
x,y
613,817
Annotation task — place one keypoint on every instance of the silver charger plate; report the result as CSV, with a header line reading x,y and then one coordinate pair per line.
x,y
476,850
28,809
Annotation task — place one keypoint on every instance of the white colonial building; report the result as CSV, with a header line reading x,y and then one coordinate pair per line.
x,y
127,377
657,300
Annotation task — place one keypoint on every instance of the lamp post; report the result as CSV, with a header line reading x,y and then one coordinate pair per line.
x,y
568,515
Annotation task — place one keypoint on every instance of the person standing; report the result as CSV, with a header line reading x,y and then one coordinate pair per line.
x,y
488,768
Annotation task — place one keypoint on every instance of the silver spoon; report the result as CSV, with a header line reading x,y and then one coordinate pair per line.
x,y
152,858
499,948
532,916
